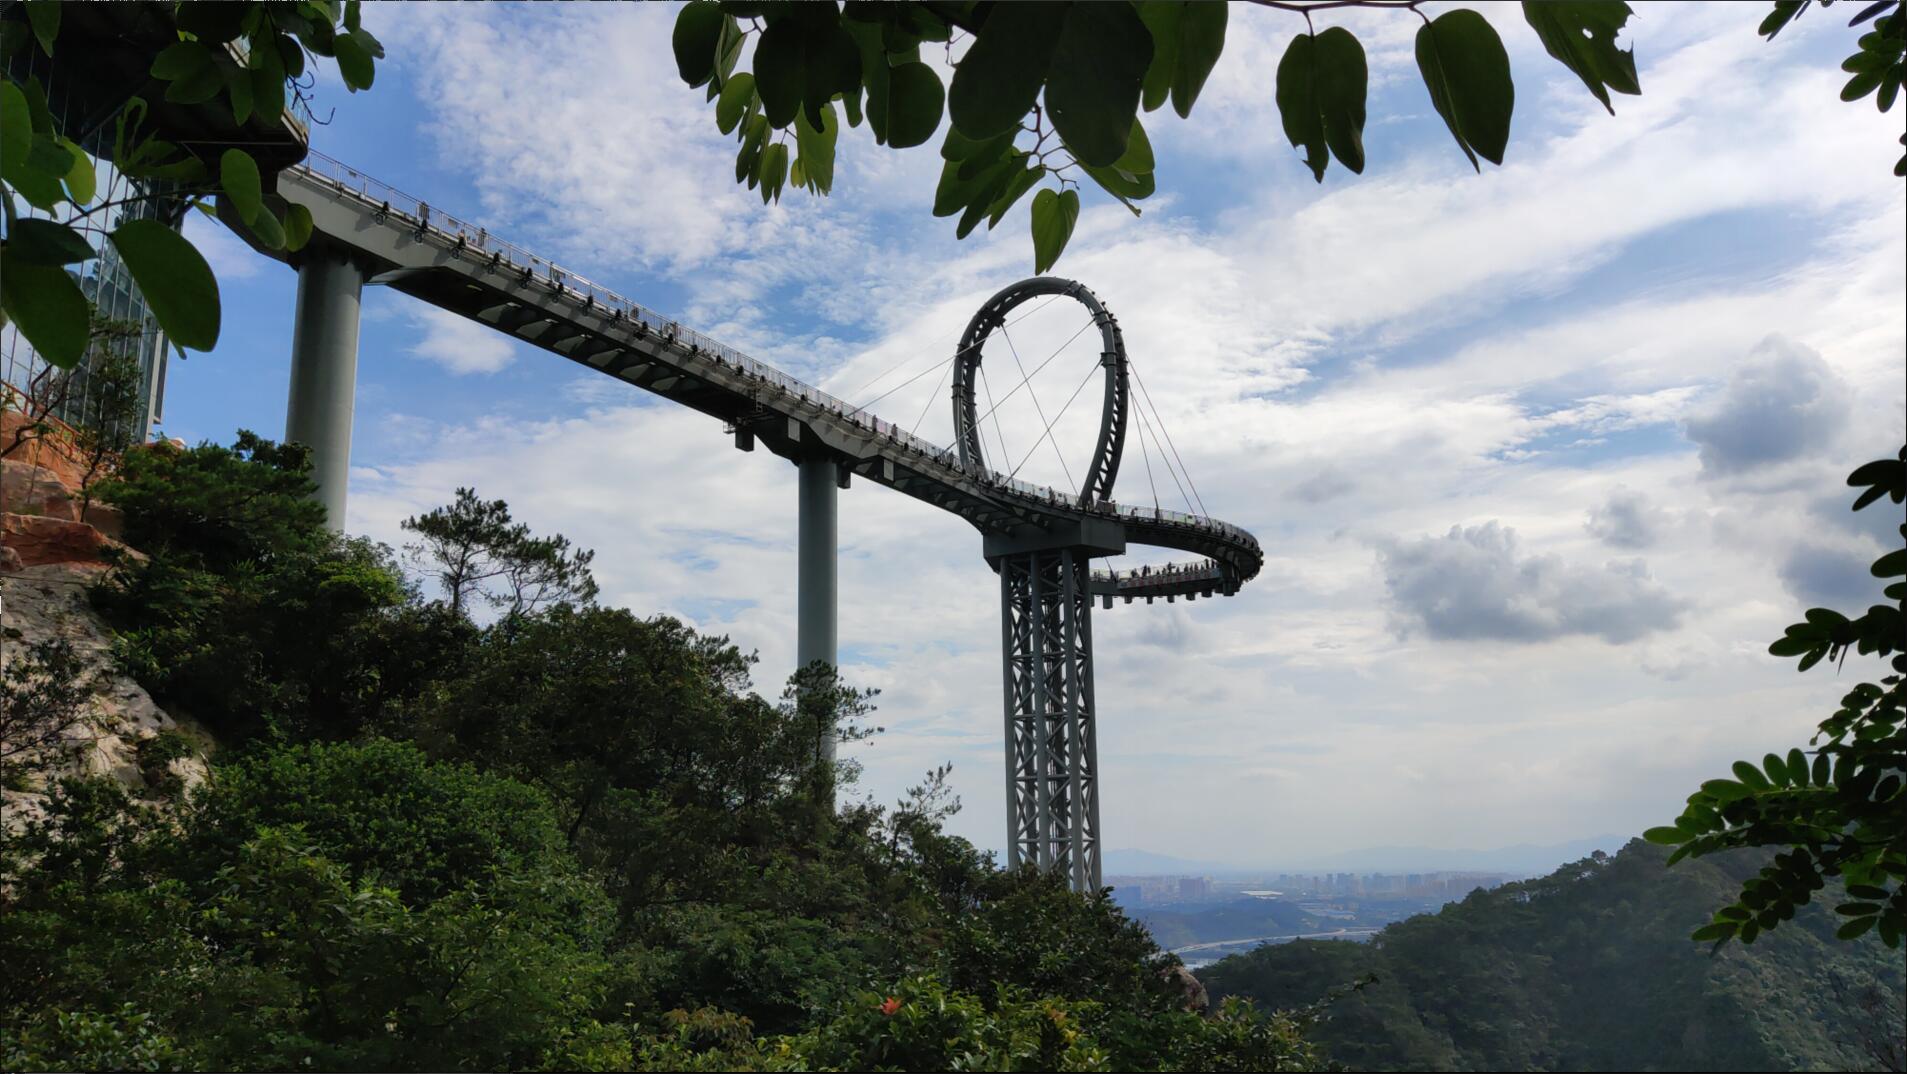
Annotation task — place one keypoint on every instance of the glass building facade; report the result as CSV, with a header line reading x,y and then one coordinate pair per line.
x,y
123,325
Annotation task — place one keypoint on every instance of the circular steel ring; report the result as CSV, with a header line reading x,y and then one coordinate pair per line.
x,y
1112,425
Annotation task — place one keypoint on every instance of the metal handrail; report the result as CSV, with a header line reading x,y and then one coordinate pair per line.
x,y
460,234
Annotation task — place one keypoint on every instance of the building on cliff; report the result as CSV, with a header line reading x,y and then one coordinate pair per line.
x,y
103,61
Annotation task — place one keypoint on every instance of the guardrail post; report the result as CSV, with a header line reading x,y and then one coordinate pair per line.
x,y
324,373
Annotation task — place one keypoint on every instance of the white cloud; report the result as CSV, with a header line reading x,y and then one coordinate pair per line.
x,y
459,345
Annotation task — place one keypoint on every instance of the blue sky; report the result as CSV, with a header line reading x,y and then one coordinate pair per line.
x,y
1542,458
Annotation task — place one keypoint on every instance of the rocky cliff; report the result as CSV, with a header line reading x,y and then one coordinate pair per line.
x,y
51,548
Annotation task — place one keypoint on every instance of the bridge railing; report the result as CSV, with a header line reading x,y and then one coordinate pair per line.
x,y
561,281
1170,572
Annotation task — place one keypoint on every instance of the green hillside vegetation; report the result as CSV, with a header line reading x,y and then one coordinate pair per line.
x,y
569,837
1590,968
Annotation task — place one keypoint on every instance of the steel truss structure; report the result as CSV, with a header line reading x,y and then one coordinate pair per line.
x,y
1052,758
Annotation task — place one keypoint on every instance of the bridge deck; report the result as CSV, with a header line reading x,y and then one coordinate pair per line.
x,y
457,266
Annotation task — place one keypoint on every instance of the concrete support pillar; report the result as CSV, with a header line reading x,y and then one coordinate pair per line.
x,y
815,592
324,374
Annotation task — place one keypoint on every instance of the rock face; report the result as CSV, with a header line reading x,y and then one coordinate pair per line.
x,y
43,515
39,603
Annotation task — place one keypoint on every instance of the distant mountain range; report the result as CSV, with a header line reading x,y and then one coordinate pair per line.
x,y
1523,859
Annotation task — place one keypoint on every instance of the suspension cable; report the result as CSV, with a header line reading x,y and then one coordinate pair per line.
x,y
1146,454
906,382
1047,434
997,430
885,373
1036,369
1037,409
1146,427
931,396
1168,436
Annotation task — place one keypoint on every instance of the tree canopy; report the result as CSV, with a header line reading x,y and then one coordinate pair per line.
x,y
1050,95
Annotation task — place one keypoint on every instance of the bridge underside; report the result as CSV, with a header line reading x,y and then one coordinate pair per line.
x,y
1051,756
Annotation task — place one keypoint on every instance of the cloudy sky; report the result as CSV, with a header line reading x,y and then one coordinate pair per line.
x,y
1542,459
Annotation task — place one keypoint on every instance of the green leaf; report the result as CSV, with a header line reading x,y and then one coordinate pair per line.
x,y
1797,768
238,178
1725,790
38,174
1093,83
82,182
774,171
355,64
915,99
1891,565
1138,159
1162,19
16,129
1201,39
698,28
1053,218
238,87
728,49
999,79
177,284
779,74
269,231
268,82
958,147
1821,772
45,17
817,148
1297,101
1581,34
198,87
1791,646
1784,12
954,193
1468,75
1751,776
1666,836
995,182
1867,891
1855,929
180,60
1777,770
734,100
297,227
47,307
43,242
1342,81
1720,930
1015,189
36,104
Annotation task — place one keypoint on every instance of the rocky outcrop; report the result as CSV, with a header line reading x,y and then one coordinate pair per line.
x,y
44,516
48,601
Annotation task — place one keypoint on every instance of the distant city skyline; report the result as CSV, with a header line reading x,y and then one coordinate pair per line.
x,y
1542,458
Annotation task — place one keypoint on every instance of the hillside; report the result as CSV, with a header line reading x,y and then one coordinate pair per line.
x,y
1590,968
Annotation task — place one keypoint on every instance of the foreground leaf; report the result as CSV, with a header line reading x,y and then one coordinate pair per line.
x,y
47,307
1581,34
177,283
1053,218
1467,73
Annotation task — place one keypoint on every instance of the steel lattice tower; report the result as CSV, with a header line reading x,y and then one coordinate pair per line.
x,y
1052,758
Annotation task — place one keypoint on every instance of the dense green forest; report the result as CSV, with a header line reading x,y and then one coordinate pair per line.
x,y
552,835
1590,968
